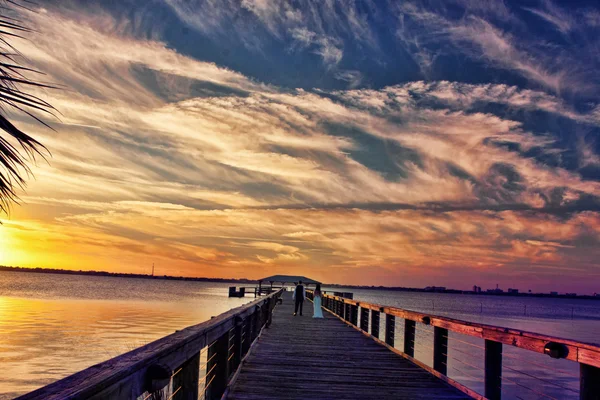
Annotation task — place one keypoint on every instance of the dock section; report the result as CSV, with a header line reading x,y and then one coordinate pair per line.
x,y
300,357
261,351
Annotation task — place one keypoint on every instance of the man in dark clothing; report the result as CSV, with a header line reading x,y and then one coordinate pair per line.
x,y
299,295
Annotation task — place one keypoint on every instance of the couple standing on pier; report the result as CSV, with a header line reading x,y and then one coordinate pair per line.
x,y
300,294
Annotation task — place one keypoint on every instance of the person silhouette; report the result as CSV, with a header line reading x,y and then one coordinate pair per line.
x,y
298,295
317,299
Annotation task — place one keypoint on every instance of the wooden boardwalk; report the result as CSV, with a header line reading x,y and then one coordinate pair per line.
x,y
301,357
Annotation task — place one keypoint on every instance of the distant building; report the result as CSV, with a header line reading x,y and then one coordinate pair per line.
x,y
497,290
476,289
571,294
554,293
513,291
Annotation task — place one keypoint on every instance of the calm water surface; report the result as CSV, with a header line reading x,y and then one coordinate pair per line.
x,y
54,325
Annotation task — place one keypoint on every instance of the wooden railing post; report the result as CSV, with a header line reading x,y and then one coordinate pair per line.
x,y
354,315
269,312
246,333
440,350
187,379
217,368
493,370
410,328
238,347
390,329
364,319
255,323
589,384
375,323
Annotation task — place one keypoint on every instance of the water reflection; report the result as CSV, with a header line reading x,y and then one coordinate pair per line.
x,y
52,326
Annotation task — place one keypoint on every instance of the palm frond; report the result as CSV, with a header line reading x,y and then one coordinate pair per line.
x,y
17,148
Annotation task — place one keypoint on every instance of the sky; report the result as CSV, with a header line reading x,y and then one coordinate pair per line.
x,y
449,143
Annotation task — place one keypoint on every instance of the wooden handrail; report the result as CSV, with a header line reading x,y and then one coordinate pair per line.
x,y
586,354
137,372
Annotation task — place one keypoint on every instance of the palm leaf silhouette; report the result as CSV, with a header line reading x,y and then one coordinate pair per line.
x,y
17,148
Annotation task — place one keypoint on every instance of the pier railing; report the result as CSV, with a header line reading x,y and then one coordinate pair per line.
x,y
197,362
367,317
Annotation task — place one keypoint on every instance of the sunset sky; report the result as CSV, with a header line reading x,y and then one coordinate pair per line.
x,y
447,143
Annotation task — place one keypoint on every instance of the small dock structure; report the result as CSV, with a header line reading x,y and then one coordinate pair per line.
x,y
272,284
261,351
233,292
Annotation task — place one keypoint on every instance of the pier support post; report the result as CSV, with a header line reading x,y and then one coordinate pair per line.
x,y
364,319
493,370
217,368
390,329
238,348
589,384
255,323
187,379
375,323
246,334
353,314
410,328
440,350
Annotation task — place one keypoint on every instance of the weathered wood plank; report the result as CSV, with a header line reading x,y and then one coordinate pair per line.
x,y
300,357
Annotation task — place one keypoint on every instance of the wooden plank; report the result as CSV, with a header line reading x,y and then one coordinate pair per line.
x,y
466,390
302,357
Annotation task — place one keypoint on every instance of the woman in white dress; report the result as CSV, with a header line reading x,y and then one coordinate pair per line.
x,y
317,302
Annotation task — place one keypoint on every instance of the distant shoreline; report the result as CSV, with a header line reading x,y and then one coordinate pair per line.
x,y
252,281
120,275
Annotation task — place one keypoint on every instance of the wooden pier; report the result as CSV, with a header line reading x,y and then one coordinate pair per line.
x,y
261,351
300,357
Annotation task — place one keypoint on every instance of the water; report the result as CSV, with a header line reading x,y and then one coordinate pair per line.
x,y
526,375
54,325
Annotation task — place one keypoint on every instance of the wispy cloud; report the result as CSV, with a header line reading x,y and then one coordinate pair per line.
x,y
210,170
552,14
483,34
324,46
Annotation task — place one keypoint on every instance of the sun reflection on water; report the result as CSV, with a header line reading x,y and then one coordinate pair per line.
x,y
46,335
